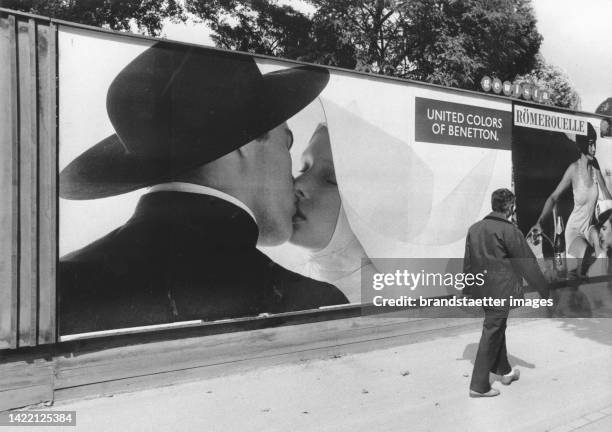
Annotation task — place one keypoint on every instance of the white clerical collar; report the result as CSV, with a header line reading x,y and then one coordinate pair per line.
x,y
199,189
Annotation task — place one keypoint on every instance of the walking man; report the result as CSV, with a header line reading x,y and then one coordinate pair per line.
x,y
495,247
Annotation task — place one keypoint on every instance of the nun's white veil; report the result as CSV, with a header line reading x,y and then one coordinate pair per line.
x,y
387,191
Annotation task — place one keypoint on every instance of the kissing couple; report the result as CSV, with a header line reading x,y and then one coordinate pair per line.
x,y
207,134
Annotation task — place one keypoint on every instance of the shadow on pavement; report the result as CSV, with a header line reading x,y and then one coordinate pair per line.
x,y
596,329
469,353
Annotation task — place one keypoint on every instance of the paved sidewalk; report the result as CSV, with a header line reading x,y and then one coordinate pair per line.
x,y
594,422
565,385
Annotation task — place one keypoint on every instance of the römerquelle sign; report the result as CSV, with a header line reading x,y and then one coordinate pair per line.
x,y
549,120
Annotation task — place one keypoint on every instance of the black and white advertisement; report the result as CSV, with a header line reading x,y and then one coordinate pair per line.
x,y
562,172
197,184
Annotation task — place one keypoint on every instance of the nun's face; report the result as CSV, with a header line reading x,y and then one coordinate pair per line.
x,y
316,190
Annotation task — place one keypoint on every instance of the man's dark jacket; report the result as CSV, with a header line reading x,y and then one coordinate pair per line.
x,y
494,246
182,256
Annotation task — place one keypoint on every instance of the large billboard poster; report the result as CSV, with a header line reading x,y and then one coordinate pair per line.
x,y
198,184
563,178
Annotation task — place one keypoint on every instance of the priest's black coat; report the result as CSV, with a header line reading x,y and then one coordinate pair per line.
x,y
181,256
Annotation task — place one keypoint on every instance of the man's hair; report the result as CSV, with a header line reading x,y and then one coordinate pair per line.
x,y
583,141
502,200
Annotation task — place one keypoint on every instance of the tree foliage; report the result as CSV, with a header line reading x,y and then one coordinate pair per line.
x,y
545,75
258,26
144,16
448,42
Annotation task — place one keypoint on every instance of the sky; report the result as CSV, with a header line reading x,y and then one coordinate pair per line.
x,y
577,39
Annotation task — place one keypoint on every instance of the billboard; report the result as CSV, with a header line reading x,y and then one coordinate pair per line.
x,y
200,185
563,177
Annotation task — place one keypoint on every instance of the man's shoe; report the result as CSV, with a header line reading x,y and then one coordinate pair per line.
x,y
491,393
507,379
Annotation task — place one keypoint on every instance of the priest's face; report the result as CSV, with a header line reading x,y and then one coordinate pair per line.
x,y
272,185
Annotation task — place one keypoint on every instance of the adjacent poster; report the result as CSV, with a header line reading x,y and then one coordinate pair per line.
x,y
201,185
563,177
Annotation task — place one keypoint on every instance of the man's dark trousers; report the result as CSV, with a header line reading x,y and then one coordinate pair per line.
x,y
492,355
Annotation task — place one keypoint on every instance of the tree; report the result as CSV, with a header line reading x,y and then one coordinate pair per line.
x,y
605,107
545,75
448,42
258,26
144,16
